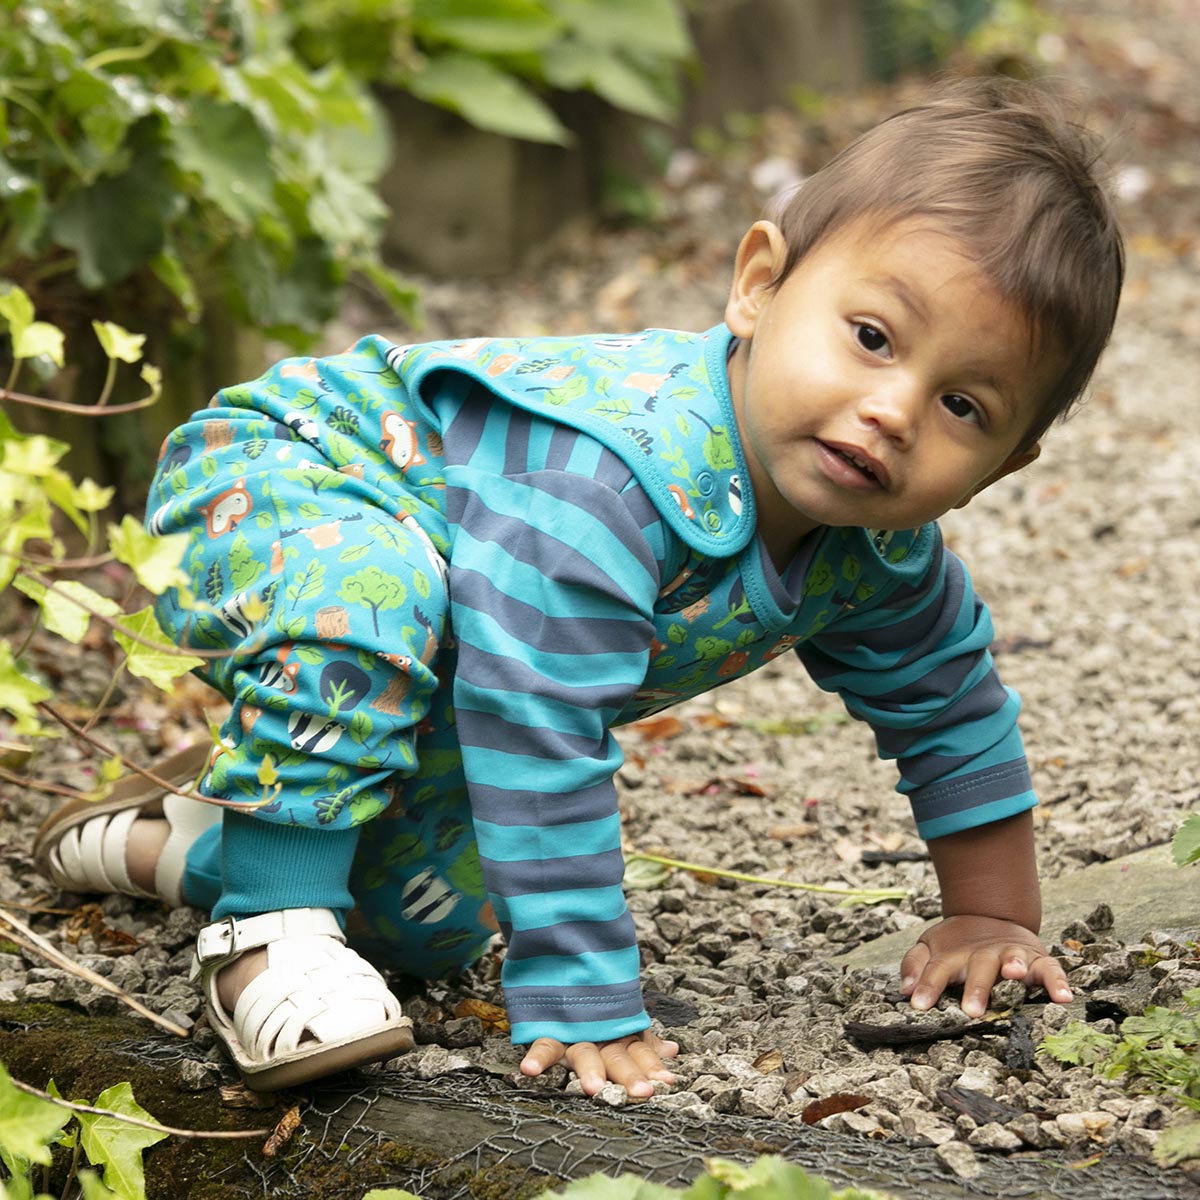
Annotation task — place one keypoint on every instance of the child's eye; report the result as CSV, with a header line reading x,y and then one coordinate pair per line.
x,y
962,408
872,340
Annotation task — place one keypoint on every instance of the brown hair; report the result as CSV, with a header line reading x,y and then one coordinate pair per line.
x,y
999,166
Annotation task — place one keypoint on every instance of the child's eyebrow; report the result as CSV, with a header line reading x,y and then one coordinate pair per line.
x,y
905,294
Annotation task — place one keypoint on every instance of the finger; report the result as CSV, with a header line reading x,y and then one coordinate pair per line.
x,y
1049,973
911,966
983,968
626,1064
663,1047
543,1053
648,1054
585,1059
931,983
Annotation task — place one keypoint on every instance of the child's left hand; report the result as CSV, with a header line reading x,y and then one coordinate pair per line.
x,y
976,951
634,1061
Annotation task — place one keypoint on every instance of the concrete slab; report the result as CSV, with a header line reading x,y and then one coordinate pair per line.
x,y
1144,890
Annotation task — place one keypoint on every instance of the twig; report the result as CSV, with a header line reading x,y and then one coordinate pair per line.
x,y
867,895
64,407
39,944
51,789
75,1106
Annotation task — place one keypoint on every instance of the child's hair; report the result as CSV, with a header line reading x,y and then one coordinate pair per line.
x,y
1000,167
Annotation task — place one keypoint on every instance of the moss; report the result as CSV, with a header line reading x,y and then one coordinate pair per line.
x,y
40,1042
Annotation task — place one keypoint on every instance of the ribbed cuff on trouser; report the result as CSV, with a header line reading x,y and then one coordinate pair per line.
x,y
253,866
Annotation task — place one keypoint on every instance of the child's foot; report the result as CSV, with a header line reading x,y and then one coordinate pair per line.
x,y
143,846
291,1002
135,840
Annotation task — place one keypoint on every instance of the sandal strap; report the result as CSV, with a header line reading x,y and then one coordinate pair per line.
x,y
224,940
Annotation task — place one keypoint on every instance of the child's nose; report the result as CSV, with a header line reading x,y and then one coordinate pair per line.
x,y
893,408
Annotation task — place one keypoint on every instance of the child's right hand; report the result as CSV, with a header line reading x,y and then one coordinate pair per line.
x,y
634,1062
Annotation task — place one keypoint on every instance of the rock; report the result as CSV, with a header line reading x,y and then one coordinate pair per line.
x,y
959,1159
994,1137
195,1076
1098,1127
428,1062
925,1127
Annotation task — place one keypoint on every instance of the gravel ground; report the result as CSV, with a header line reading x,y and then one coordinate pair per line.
x,y
1087,560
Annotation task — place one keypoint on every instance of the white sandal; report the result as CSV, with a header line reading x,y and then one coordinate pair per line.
x,y
81,847
317,1008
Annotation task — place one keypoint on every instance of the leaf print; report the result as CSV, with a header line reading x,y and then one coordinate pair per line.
x,y
214,583
360,727
465,874
255,448
354,553
681,423
709,648
244,568
820,578
718,450
329,808
851,568
677,633
344,420
366,806
615,409
309,583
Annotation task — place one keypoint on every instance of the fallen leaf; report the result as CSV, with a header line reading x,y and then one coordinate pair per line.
x,y
238,1095
494,1018
783,833
288,1124
818,1110
768,1061
658,728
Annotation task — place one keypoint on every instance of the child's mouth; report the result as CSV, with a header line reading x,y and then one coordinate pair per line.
x,y
852,469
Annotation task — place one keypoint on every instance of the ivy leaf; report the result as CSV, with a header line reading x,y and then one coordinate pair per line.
x,y
1077,1043
118,223
1186,846
117,1146
60,612
624,1187
28,1124
486,26
653,26
571,65
1177,1143
162,663
487,97
223,145
390,1194
119,343
92,1188
21,695
154,560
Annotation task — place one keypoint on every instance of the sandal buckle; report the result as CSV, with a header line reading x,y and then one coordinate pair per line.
x,y
216,941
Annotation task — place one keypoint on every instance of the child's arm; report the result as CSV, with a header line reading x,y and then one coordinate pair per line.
x,y
992,910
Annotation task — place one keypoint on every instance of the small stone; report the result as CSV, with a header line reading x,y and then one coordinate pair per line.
x,y
1099,1127
925,1127
1008,993
994,1136
1028,1128
612,1094
959,1159
196,1076
428,1062
687,1102
1100,919
979,1079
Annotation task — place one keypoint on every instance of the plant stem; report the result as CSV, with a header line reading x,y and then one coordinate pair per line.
x,y
155,1125
867,895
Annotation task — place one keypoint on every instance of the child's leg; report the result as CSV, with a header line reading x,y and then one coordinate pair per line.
x,y
420,902
333,613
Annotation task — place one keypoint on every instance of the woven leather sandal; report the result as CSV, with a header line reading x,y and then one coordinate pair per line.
x,y
81,847
317,1008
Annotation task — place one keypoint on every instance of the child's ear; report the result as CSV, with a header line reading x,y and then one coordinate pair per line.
x,y
1014,462
760,258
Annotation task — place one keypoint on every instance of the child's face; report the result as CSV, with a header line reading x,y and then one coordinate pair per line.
x,y
884,382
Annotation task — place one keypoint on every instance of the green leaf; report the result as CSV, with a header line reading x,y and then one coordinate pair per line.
x,y
117,1146
117,342
572,65
623,1187
161,663
1077,1043
487,97
1178,1143
224,147
93,1189
648,26
28,1124
154,560
119,222
60,613
643,875
1186,846
34,456
486,26
390,1194
21,695
17,310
